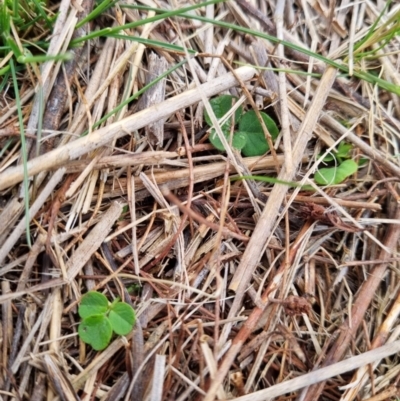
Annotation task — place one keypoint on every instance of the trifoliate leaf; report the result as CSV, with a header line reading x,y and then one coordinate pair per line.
x,y
96,331
122,318
221,105
256,144
92,303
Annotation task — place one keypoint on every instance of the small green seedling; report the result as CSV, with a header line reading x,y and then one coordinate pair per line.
x,y
100,318
344,166
249,137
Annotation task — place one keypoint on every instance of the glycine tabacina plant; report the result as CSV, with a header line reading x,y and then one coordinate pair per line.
x,y
344,167
249,136
100,319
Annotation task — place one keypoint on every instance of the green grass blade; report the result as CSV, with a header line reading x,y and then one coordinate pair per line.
x,y
4,71
30,23
102,7
43,14
164,14
24,151
152,43
40,120
286,70
270,180
29,58
341,67
4,148
372,28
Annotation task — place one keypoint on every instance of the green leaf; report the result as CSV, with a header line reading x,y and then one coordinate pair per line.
x,y
216,142
122,318
125,210
96,331
221,105
256,144
335,175
92,303
362,161
328,158
238,139
344,150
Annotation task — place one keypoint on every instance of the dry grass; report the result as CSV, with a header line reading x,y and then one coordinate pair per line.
x,y
241,289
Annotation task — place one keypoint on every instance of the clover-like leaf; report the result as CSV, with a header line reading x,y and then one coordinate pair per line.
x,y
221,105
122,318
92,303
337,174
96,331
214,139
344,150
238,140
256,143
330,157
